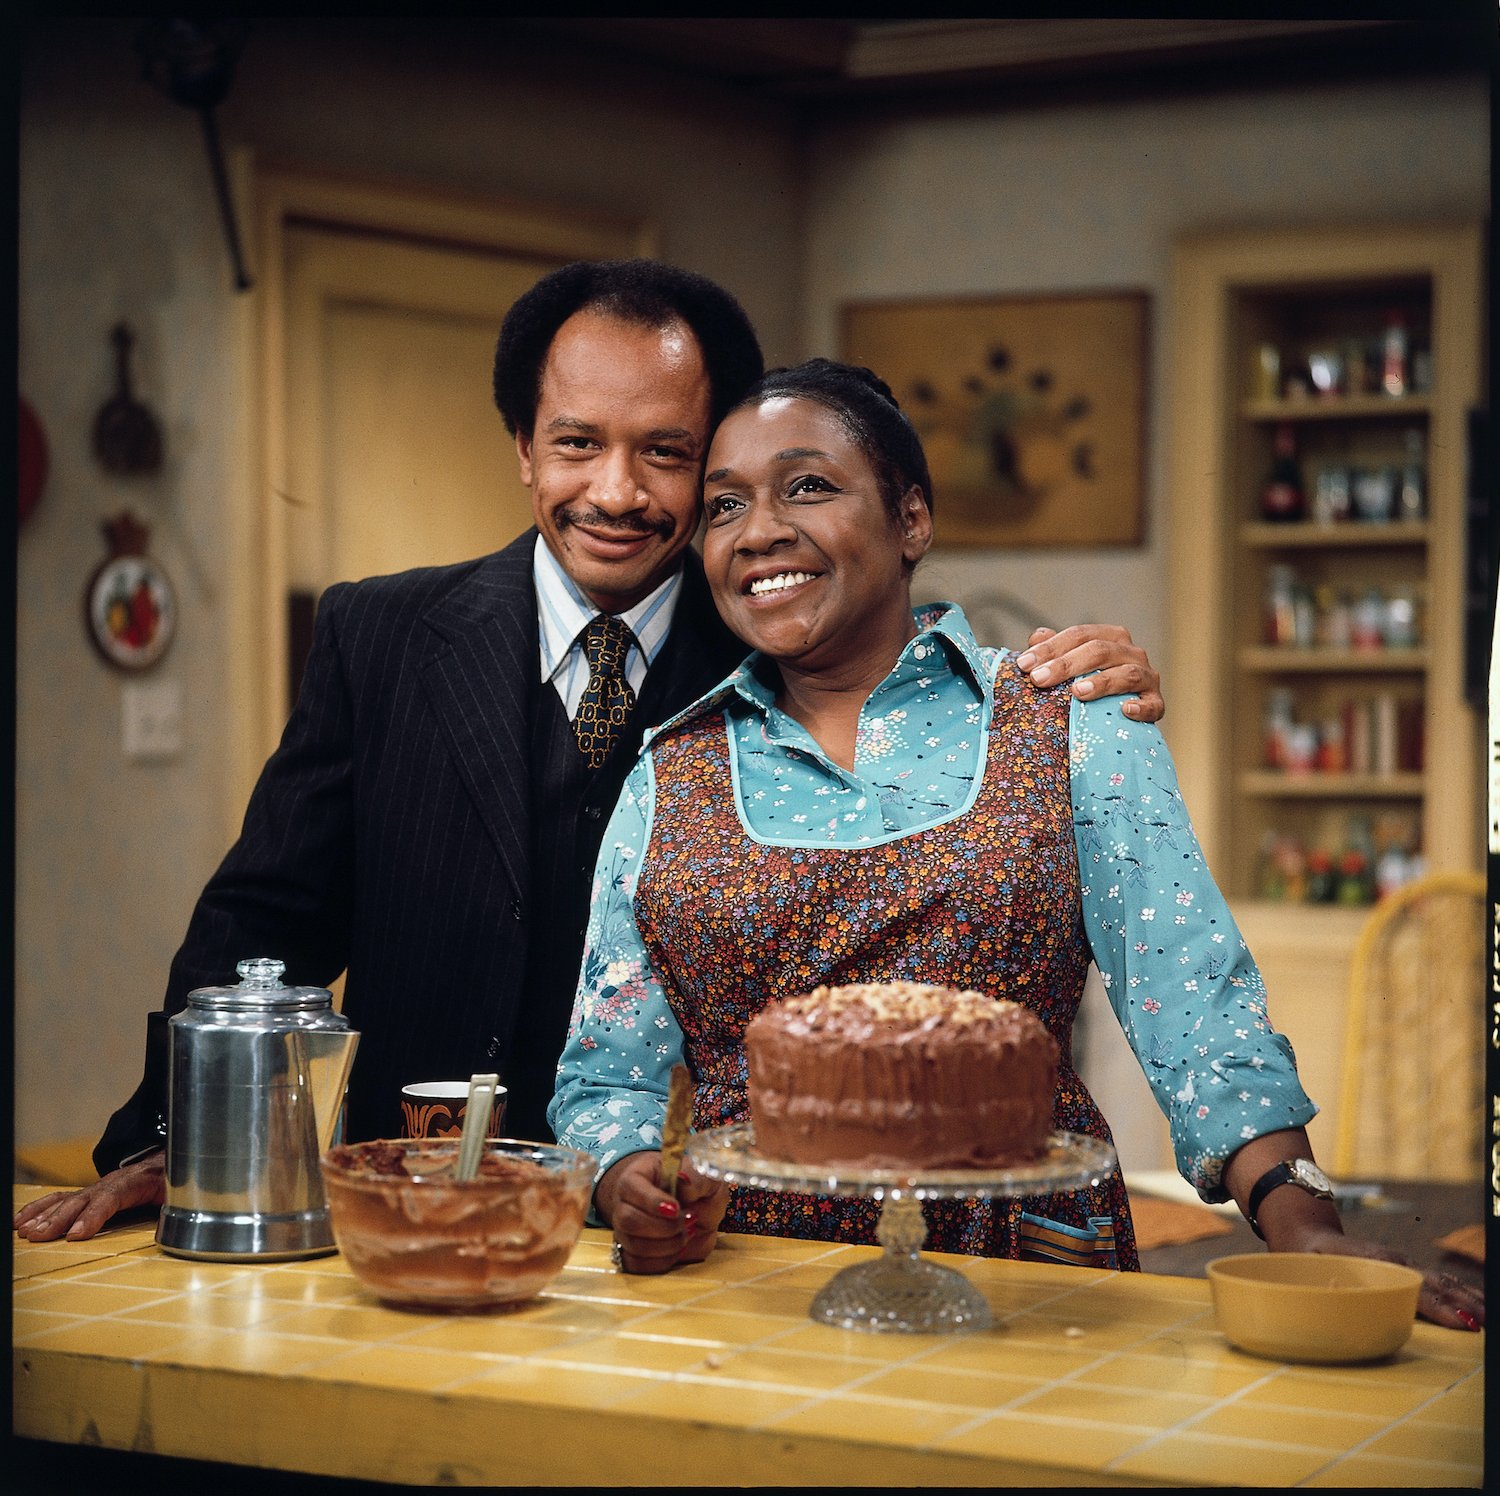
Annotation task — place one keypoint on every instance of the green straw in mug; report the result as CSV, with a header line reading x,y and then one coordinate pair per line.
x,y
481,1102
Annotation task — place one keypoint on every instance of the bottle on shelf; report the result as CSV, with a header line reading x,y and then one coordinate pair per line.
x,y
1394,377
1283,497
1322,882
1278,728
1281,605
1411,501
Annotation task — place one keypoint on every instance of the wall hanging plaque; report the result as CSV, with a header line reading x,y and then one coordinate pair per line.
x,y
31,459
1032,410
129,605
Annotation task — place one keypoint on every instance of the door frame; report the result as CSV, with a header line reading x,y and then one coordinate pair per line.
x,y
281,193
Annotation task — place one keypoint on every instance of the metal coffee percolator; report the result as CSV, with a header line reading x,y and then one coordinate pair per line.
x,y
256,1078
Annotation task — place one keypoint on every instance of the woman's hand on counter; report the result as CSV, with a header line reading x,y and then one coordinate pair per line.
x,y
654,1231
80,1214
1292,1220
1445,1299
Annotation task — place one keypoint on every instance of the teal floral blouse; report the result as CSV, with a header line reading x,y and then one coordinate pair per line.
x,y
1179,976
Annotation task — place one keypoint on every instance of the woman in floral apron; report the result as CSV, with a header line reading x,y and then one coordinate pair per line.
x,y
873,796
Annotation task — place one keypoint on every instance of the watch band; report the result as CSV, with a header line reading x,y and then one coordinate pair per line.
x,y
1273,1178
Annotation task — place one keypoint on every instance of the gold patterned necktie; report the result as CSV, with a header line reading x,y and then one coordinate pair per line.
x,y
607,699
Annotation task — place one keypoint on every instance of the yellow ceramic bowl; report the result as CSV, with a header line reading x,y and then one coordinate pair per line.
x,y
1307,1306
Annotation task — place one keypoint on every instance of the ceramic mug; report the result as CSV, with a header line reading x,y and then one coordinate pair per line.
x,y
435,1109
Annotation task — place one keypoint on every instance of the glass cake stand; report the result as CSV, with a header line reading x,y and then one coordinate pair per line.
x,y
901,1290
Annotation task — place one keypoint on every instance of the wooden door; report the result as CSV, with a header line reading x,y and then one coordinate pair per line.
x,y
375,314
396,455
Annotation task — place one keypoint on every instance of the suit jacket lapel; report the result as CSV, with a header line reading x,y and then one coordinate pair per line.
x,y
477,677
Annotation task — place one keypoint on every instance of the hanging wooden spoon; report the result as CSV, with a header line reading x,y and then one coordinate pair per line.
x,y
127,439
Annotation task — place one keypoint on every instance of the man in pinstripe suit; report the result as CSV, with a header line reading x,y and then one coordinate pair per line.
x,y
428,823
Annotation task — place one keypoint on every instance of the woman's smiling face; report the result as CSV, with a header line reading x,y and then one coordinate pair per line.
x,y
805,559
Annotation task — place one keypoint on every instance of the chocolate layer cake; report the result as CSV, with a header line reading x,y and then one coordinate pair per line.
x,y
900,1075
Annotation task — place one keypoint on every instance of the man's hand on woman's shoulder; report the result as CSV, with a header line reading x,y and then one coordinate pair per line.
x,y
1121,666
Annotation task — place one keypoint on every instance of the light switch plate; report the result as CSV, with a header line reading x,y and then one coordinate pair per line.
x,y
151,720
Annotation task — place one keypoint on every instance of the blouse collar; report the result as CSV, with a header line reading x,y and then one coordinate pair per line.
x,y
943,641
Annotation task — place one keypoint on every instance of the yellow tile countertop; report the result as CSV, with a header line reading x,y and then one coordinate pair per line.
x,y
712,1374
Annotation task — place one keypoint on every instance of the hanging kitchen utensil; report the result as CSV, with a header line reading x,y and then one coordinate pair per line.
x,y
192,62
127,438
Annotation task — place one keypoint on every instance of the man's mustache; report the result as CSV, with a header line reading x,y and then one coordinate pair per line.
x,y
596,519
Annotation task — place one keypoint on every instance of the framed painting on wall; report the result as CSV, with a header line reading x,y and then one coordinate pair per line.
x,y
1032,410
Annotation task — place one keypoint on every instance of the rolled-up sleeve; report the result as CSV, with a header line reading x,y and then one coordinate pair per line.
x,y
623,1038
1181,979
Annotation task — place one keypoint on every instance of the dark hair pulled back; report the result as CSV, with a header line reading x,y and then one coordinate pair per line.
x,y
869,412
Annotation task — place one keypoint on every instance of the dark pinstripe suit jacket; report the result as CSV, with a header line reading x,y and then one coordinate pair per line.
x,y
389,832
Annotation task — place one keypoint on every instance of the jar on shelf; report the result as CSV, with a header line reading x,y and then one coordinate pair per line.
x,y
1331,497
1367,621
1400,631
1301,748
1325,367
1375,494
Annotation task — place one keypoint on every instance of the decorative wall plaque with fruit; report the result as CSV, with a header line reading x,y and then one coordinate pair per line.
x,y
129,605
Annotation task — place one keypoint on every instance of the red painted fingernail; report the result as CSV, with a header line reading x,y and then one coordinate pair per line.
x,y
1466,1319
690,1217
667,1209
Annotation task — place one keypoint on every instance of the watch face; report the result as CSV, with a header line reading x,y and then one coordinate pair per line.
x,y
1311,1177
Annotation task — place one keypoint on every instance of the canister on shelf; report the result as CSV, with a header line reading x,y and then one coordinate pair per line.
x,y
1265,372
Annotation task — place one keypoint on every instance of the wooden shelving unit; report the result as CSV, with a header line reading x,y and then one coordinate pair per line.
x,y
1233,293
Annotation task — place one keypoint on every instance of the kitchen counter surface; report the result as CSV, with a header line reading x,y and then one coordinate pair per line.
x,y
713,1374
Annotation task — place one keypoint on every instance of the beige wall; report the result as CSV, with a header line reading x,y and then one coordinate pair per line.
x,y
1080,198
118,220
